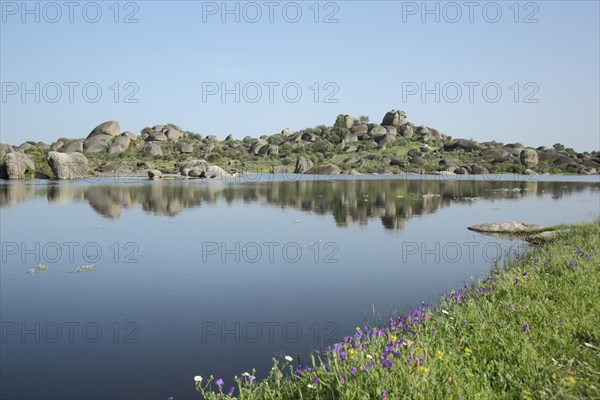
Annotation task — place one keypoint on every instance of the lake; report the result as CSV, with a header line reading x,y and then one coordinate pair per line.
x,y
127,288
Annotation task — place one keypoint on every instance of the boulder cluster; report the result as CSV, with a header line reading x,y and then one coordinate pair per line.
x,y
352,146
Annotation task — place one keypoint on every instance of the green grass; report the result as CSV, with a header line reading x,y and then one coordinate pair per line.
x,y
529,330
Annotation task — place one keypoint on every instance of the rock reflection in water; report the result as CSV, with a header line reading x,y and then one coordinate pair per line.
x,y
349,201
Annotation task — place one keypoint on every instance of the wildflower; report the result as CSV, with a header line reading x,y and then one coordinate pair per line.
x,y
511,306
198,378
231,390
246,374
526,327
383,395
439,354
422,369
343,379
309,386
288,359
370,357
343,355
316,380
421,361
353,371
527,395
468,351
219,382
445,312
351,351
251,379
516,280
470,375
570,380
387,363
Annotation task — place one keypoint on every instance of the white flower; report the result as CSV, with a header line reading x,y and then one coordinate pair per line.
x,y
245,374
288,359
310,386
198,378
370,357
445,312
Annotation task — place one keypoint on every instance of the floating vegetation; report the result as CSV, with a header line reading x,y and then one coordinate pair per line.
x,y
38,268
86,268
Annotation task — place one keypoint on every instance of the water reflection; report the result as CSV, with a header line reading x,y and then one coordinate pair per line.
x,y
392,201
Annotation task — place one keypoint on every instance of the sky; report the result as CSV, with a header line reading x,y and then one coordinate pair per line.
x,y
507,71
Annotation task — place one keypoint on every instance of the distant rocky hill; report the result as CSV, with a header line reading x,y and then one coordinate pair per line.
x,y
351,146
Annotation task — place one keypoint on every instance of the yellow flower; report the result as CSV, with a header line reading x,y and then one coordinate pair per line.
x,y
571,380
468,351
420,349
439,354
351,352
422,369
470,375
393,338
527,395
408,343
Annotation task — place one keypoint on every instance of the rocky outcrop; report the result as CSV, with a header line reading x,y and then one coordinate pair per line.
x,y
152,149
302,165
68,166
528,158
18,165
510,227
109,128
395,118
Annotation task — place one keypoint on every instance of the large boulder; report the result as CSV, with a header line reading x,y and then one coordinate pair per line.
x,y
302,165
119,145
152,149
377,130
395,118
68,166
72,146
157,137
129,135
110,128
173,134
5,148
324,170
349,121
406,130
528,158
359,129
97,144
155,174
18,165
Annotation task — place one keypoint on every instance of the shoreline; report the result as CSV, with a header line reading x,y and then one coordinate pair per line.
x,y
531,328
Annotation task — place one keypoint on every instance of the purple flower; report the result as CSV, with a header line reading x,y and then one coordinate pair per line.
x,y
526,327
170,398
316,380
383,394
343,379
343,355
573,262
421,361
219,382
561,321
387,363
535,260
231,390
352,371
250,379
511,306
516,280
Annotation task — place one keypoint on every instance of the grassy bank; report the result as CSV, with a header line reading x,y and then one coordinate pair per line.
x,y
529,330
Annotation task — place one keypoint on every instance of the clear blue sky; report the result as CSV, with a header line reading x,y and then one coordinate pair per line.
x,y
374,53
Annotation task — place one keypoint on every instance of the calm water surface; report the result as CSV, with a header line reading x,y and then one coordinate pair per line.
x,y
194,277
